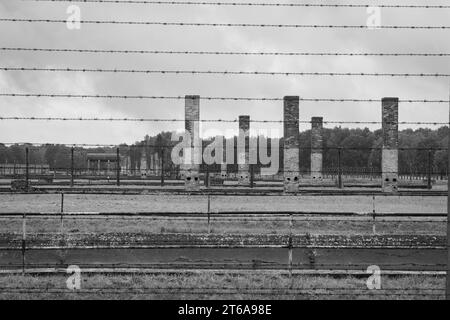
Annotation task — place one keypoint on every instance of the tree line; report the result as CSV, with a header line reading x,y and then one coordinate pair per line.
x,y
360,149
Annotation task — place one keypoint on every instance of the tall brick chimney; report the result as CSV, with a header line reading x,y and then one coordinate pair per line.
x,y
316,147
191,167
389,154
291,144
243,152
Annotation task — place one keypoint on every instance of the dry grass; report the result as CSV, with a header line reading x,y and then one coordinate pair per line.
x,y
220,225
186,203
208,285
141,286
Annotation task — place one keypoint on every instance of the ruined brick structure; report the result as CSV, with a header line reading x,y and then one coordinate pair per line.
x,y
389,154
223,165
316,147
243,152
190,170
143,164
291,144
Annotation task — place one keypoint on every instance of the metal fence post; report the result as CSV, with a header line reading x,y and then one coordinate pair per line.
x,y
374,227
207,176
429,171
290,245
447,287
27,169
340,185
209,213
24,237
71,167
62,211
117,167
162,167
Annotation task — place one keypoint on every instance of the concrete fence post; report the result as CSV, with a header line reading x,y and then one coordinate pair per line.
x,y
291,147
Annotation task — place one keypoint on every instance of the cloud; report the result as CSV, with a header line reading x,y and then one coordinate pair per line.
x,y
215,39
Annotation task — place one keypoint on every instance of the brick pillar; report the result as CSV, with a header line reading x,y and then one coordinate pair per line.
x,y
223,165
151,165
156,164
243,151
291,144
389,154
143,162
191,167
125,165
316,147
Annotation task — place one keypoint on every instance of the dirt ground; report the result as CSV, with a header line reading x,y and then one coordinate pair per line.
x,y
187,203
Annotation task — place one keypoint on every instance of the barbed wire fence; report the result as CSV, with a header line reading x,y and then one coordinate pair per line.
x,y
25,171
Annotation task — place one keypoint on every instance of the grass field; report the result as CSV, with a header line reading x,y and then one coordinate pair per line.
x,y
221,224
208,285
187,203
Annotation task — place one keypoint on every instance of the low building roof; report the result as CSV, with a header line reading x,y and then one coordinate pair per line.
x,y
102,156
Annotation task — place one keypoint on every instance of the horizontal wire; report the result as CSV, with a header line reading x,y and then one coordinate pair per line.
x,y
144,265
39,144
36,245
246,25
366,223
237,290
98,96
209,120
100,173
351,54
296,220
189,291
249,4
256,288
196,72
325,173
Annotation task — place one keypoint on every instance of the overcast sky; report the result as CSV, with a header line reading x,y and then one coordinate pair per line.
x,y
123,37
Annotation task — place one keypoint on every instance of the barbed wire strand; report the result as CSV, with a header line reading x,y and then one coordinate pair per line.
x,y
249,4
3,118
261,53
245,25
203,72
105,145
149,97
256,288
